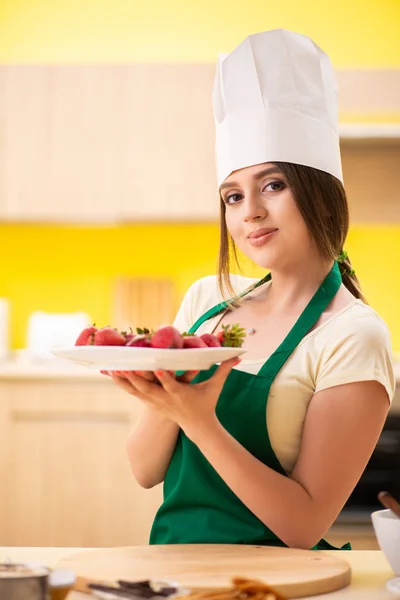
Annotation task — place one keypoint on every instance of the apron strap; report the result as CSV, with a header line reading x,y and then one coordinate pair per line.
x,y
218,308
321,299
318,303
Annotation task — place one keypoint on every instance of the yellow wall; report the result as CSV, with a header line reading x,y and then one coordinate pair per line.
x,y
354,33
58,268
73,268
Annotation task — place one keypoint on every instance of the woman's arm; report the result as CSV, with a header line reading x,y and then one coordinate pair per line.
x,y
150,446
152,441
342,427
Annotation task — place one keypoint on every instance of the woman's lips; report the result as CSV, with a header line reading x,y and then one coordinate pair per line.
x,y
262,239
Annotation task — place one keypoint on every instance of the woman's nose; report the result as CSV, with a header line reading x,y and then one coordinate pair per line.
x,y
254,208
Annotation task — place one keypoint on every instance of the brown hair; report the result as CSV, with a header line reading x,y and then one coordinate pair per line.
x,y
322,202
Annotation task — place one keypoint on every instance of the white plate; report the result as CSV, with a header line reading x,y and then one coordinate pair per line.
x,y
126,358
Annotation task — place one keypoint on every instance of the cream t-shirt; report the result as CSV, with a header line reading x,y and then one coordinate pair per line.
x,y
352,345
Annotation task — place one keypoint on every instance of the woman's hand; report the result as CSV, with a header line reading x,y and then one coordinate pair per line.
x,y
124,383
190,406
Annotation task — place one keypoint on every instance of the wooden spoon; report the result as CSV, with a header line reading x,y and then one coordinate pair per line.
x,y
389,502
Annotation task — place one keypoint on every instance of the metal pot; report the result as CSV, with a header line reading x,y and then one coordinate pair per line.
x,y
19,581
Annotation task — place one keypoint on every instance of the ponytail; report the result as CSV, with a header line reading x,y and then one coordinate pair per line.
x,y
349,277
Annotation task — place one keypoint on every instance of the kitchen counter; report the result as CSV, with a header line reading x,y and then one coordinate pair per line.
x,y
370,570
20,366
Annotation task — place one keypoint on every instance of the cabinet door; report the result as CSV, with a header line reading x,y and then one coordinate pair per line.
x,y
25,142
168,167
58,146
67,475
105,143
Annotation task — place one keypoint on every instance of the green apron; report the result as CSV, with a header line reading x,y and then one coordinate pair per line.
x,y
198,506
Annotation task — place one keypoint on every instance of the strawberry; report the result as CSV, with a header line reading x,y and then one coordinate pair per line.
x,y
210,340
143,331
130,336
193,341
86,336
167,337
139,341
231,335
108,337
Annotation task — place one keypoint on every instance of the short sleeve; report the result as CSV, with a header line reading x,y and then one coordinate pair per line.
x,y
360,352
184,316
195,301
202,295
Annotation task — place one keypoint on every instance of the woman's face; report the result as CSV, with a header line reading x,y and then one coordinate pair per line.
x,y
262,217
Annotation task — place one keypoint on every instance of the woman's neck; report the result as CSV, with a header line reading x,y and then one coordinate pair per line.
x,y
292,288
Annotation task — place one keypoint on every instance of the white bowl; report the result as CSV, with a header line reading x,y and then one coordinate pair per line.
x,y
387,531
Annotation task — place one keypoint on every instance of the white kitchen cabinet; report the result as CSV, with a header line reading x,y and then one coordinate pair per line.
x,y
65,475
57,150
114,143
106,143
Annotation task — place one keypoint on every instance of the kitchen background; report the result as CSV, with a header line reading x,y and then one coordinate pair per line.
x,y
109,211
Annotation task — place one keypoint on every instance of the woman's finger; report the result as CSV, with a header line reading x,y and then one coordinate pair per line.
x,y
128,387
123,383
148,375
188,376
168,382
144,386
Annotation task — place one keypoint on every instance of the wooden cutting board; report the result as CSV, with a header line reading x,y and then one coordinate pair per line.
x,y
294,573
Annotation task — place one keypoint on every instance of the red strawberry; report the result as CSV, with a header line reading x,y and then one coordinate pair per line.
x,y
167,337
193,341
130,336
86,336
210,340
231,335
108,337
139,341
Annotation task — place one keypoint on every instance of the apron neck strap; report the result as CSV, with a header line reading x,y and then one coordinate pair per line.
x,y
215,310
329,287
314,309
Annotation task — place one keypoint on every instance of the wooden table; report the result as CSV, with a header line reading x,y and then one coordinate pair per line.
x,y
370,570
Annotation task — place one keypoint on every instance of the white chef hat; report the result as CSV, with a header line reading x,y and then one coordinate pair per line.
x,y
275,99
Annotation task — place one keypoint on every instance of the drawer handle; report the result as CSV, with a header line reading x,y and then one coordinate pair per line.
x,y
69,416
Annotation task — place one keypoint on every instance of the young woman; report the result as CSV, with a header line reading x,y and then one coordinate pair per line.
x,y
267,450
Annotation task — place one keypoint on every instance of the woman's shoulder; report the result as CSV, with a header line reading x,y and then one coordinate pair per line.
x,y
206,293
353,338
361,319
356,324
203,294
354,345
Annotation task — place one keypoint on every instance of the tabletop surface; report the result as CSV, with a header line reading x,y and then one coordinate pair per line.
x,y
370,570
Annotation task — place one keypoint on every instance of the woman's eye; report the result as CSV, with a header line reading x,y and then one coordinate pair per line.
x,y
275,186
232,198
272,186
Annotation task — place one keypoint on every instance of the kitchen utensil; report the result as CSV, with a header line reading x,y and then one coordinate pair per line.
x,y
111,590
389,502
198,567
19,581
129,358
